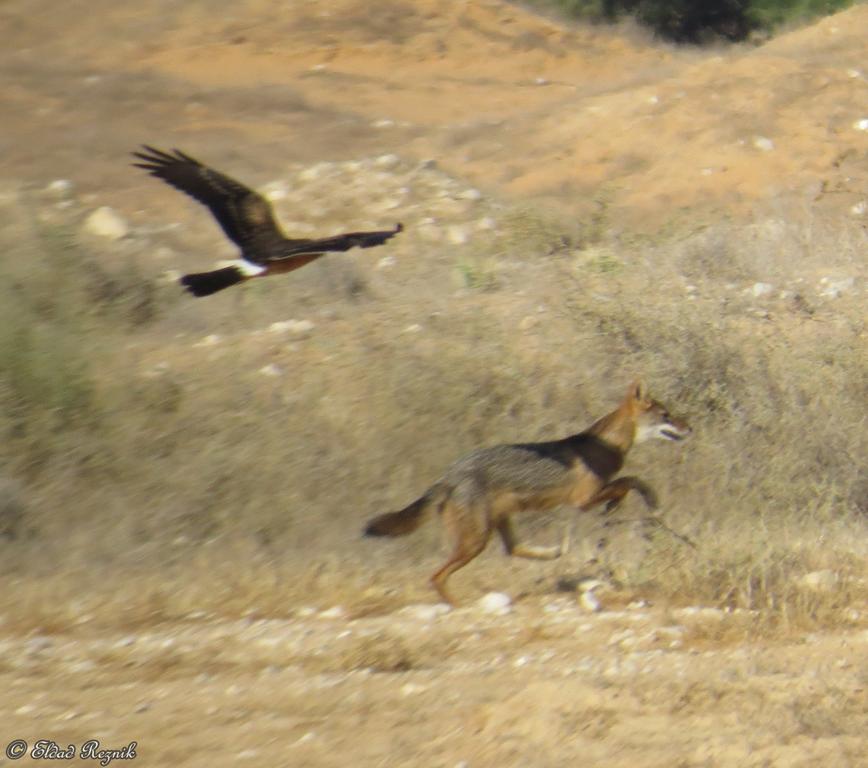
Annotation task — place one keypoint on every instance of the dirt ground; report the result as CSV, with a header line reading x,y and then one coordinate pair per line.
x,y
526,109
543,685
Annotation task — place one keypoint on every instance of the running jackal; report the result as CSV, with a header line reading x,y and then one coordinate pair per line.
x,y
478,493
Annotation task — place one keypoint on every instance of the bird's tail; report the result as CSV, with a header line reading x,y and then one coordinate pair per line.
x,y
206,283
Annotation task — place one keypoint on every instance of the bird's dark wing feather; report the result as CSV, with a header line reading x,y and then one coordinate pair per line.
x,y
337,243
244,215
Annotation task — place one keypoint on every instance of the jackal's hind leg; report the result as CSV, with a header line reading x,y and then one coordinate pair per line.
x,y
465,521
513,547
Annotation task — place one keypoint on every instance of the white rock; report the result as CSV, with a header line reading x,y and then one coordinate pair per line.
x,y
408,689
313,172
486,223
834,289
294,327
413,328
336,612
588,600
275,190
861,125
60,188
386,262
384,123
427,611
387,161
458,235
763,144
496,603
470,194
106,222
761,289
860,208
271,370
820,581
208,341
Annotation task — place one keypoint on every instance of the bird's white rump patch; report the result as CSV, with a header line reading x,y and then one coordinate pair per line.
x,y
246,268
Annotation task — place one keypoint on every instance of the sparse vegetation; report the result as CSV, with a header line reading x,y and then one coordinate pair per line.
x,y
150,443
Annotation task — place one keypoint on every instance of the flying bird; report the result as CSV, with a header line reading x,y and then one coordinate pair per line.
x,y
248,220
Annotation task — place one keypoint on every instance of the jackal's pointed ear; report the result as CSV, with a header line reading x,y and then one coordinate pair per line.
x,y
638,391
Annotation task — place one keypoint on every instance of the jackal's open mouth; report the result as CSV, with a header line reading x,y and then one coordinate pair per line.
x,y
670,435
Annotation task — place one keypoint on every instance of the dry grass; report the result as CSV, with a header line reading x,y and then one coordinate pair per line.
x,y
153,477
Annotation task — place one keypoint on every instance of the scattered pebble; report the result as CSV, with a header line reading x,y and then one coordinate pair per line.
x,y
210,340
820,581
458,235
763,144
275,190
60,188
335,612
835,288
470,194
496,603
297,328
426,611
387,161
106,222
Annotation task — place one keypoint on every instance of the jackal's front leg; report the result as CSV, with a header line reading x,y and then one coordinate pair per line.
x,y
514,547
613,493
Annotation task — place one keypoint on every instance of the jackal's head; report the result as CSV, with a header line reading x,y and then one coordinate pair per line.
x,y
653,419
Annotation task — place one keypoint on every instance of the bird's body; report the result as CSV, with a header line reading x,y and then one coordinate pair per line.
x,y
247,219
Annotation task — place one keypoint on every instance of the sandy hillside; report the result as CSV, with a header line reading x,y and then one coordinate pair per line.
x,y
517,104
183,482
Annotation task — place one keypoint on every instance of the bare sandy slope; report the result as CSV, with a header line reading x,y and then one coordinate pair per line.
x,y
518,104
527,110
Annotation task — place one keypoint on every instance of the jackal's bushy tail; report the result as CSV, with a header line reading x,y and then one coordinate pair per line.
x,y
406,520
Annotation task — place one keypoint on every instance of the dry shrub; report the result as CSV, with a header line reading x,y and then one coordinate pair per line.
x,y
189,463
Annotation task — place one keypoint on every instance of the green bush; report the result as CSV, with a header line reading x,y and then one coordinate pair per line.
x,y
696,21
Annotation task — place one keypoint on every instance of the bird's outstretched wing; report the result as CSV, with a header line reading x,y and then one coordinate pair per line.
x,y
244,215
337,242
